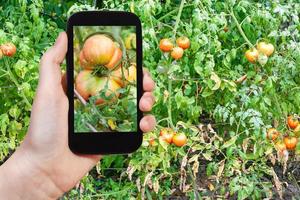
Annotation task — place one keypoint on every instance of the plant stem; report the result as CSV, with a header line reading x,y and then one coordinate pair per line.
x,y
170,103
240,29
172,12
13,78
178,17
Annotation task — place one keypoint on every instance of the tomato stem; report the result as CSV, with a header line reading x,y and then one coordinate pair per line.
x,y
13,78
240,29
178,17
170,103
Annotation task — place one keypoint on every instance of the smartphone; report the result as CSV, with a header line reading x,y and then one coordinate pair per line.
x,y
104,79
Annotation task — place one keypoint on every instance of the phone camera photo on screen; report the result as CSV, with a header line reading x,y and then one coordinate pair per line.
x,y
105,68
104,75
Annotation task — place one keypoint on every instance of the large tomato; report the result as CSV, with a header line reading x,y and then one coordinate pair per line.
x,y
88,85
265,48
251,55
8,49
100,50
292,122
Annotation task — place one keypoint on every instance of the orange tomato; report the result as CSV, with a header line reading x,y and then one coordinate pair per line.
x,y
179,139
292,122
152,142
8,49
290,142
177,53
165,45
251,55
265,48
272,134
183,42
167,134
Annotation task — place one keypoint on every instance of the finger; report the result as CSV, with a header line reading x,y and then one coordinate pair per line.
x,y
147,102
148,83
50,73
64,82
147,123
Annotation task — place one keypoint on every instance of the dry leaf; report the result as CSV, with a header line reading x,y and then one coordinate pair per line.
x,y
195,168
221,169
277,183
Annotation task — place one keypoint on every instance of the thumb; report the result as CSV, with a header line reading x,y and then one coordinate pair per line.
x,y
50,72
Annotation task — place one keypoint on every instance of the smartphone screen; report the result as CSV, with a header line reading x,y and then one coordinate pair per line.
x,y
105,77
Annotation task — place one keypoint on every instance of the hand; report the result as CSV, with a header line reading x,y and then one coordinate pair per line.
x,y
43,167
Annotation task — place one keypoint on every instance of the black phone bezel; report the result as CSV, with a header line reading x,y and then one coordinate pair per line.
x,y
103,142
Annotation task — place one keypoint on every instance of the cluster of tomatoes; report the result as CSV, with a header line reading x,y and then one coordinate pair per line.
x,y
170,136
261,53
166,45
290,140
101,54
7,49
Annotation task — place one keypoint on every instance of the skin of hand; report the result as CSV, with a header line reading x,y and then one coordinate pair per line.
x,y
43,167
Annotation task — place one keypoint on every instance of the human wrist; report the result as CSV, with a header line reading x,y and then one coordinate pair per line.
x,y
20,178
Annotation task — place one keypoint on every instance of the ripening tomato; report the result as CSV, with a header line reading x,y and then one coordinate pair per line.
x,y
115,60
251,55
167,134
99,49
130,41
265,48
280,146
165,45
272,134
122,76
152,142
179,139
292,122
83,62
183,42
290,142
8,49
88,85
109,86
177,53
297,131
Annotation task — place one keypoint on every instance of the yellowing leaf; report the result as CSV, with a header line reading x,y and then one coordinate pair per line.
x,y
215,78
111,124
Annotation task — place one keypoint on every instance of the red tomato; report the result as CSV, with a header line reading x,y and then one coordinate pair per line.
x,y
183,42
8,49
292,122
165,45
177,53
251,55
179,139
